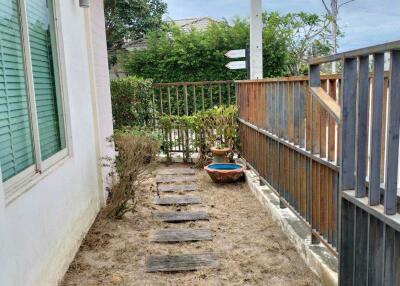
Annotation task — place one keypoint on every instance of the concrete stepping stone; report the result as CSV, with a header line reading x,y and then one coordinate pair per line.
x,y
180,235
175,179
177,200
184,262
180,216
177,188
177,171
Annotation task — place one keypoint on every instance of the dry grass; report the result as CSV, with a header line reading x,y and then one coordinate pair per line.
x,y
252,249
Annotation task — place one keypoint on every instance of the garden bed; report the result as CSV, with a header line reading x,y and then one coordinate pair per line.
x,y
251,248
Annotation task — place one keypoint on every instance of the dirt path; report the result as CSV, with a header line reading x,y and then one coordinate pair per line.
x,y
252,249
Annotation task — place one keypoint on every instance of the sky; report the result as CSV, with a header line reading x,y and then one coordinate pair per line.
x,y
364,22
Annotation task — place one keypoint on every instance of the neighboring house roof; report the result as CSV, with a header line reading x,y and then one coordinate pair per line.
x,y
199,24
185,25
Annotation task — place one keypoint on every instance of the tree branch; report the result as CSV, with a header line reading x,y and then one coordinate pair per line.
x,y
344,3
326,7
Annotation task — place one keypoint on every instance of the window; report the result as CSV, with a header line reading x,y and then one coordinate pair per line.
x,y
31,114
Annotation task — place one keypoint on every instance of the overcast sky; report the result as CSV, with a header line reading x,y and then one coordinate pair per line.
x,y
364,22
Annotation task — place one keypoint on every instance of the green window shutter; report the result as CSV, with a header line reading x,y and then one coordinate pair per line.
x,y
45,76
16,151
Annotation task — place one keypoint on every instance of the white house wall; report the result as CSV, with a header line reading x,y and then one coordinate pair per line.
x,y
41,230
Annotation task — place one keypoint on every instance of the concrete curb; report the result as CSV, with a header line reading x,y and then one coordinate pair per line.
x,y
317,257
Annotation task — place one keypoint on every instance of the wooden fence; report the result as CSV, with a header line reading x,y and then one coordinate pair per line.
x,y
291,141
369,157
329,147
186,98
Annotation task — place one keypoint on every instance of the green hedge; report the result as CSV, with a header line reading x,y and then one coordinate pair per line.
x,y
132,101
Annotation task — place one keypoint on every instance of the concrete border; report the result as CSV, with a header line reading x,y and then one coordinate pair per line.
x,y
317,257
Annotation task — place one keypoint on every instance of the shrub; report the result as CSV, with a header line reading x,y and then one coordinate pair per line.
x,y
213,127
135,155
131,101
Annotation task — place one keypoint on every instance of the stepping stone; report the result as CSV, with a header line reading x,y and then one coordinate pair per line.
x,y
177,171
180,216
176,179
177,188
184,262
180,235
177,200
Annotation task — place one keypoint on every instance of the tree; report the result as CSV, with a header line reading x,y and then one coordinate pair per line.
x,y
305,34
131,19
333,12
174,55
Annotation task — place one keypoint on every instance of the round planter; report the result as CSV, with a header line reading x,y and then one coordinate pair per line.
x,y
219,154
224,172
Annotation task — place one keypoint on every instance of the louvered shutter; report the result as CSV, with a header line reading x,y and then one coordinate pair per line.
x,y
16,151
44,66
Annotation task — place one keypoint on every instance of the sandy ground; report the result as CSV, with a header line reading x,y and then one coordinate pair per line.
x,y
252,249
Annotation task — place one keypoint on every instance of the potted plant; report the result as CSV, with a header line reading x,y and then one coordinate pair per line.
x,y
220,152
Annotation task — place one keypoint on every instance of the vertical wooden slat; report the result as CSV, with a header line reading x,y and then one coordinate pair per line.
x,y
169,99
332,124
202,97
349,93
361,247
346,253
392,148
362,126
177,99
185,96
161,101
375,251
376,130
194,98
323,116
220,94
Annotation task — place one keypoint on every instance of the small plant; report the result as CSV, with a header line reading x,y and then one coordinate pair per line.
x,y
216,127
135,155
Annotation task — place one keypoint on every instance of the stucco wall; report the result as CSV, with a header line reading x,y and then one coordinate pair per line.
x,y
41,230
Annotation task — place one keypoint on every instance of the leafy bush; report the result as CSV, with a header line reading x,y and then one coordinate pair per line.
x,y
213,127
131,101
173,55
135,155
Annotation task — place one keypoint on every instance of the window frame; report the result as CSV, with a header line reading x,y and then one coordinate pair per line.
x,y
25,180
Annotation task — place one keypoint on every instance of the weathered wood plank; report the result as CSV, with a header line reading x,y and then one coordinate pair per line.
x,y
180,216
184,262
362,128
376,130
327,102
348,134
392,149
177,200
177,188
175,179
177,171
180,235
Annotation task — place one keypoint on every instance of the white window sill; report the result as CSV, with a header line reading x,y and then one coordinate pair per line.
x,y
15,190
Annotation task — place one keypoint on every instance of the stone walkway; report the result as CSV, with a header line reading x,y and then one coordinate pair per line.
x,y
175,181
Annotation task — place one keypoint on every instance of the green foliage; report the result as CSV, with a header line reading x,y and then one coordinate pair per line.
x,y
144,131
131,101
173,55
131,19
216,127
305,34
